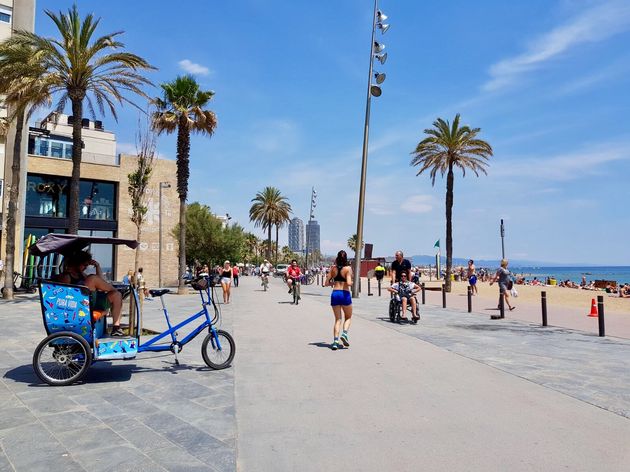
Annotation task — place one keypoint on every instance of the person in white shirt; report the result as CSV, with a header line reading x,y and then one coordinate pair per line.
x,y
405,291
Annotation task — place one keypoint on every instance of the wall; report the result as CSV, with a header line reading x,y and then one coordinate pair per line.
x,y
164,171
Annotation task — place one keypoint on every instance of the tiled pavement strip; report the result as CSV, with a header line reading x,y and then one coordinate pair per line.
x,y
148,414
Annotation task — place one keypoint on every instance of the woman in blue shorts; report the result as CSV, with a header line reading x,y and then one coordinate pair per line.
x,y
341,299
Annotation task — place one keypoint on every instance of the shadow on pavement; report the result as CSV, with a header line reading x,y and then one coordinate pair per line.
x,y
320,344
102,372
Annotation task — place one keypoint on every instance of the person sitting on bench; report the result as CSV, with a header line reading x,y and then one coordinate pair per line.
x,y
105,296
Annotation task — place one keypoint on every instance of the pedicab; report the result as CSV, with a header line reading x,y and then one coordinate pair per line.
x,y
77,331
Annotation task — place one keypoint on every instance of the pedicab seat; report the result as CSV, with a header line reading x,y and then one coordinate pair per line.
x,y
158,292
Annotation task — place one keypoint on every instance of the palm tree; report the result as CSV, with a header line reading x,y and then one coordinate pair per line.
x,y
25,88
252,244
352,244
448,146
282,217
268,209
81,68
182,110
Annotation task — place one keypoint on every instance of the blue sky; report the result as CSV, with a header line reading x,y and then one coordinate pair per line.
x,y
546,81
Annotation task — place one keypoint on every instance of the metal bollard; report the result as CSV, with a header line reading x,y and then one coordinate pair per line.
x,y
543,302
379,287
443,296
369,288
318,278
424,294
501,305
469,299
600,315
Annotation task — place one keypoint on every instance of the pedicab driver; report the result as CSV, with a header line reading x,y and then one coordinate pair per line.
x,y
105,295
405,291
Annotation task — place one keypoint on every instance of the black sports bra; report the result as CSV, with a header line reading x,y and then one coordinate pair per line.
x,y
339,277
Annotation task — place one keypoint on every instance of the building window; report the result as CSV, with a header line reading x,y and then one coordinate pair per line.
x,y
47,196
50,147
5,14
97,200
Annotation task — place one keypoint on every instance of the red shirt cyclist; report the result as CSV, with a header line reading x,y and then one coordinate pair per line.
x,y
293,273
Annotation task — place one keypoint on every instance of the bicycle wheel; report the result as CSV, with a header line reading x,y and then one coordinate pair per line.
x,y
214,357
392,310
296,293
62,358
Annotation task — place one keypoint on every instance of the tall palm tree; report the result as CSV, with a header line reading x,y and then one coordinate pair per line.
x,y
251,242
282,217
25,88
268,208
83,67
445,147
352,244
182,110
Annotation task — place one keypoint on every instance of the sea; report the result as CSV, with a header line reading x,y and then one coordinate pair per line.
x,y
619,273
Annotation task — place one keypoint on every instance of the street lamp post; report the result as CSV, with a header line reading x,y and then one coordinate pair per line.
x,y
375,52
502,238
162,185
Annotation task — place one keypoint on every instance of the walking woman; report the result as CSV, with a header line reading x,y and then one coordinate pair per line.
x,y
341,299
503,276
226,281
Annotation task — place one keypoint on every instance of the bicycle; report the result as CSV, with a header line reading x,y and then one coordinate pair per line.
x,y
295,290
264,281
77,335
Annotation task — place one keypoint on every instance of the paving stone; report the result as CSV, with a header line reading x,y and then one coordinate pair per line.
x,y
143,437
117,458
15,416
175,459
99,437
69,421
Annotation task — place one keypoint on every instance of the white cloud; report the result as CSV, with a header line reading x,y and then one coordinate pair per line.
x,y
418,204
328,246
131,150
193,68
564,167
595,24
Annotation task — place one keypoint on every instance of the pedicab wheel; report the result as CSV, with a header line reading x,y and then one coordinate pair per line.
x,y
214,357
62,358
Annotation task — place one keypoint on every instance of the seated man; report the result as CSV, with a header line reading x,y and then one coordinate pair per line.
x,y
106,295
293,273
405,291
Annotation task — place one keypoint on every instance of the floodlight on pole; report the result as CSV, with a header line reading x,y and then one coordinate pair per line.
x,y
372,91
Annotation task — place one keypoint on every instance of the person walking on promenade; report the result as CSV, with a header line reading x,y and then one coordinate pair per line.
x,y
341,299
226,281
503,277
399,266
235,274
472,277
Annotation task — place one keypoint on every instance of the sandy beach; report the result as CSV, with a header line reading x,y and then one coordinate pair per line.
x,y
566,307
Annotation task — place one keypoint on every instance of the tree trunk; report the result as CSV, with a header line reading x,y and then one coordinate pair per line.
x,y
183,172
449,225
77,130
136,266
269,243
14,195
277,229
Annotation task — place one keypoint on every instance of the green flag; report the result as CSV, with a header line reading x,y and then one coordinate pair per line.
x,y
437,244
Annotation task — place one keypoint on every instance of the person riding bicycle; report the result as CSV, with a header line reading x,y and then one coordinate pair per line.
x,y
405,291
265,270
294,274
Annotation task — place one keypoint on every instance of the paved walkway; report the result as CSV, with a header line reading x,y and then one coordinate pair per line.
x,y
456,392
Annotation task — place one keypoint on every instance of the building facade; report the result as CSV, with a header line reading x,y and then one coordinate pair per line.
x,y
105,206
296,235
312,236
14,15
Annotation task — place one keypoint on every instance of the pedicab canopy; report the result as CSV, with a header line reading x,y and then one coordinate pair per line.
x,y
69,243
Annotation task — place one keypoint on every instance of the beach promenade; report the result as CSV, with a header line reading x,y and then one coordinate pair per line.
x,y
456,392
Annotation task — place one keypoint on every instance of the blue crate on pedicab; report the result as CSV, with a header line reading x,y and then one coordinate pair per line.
x,y
67,308
115,348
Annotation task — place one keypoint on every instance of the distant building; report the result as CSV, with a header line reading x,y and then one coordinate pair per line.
x,y
312,236
296,235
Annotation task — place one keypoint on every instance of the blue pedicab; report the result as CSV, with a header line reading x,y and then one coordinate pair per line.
x,y
77,334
